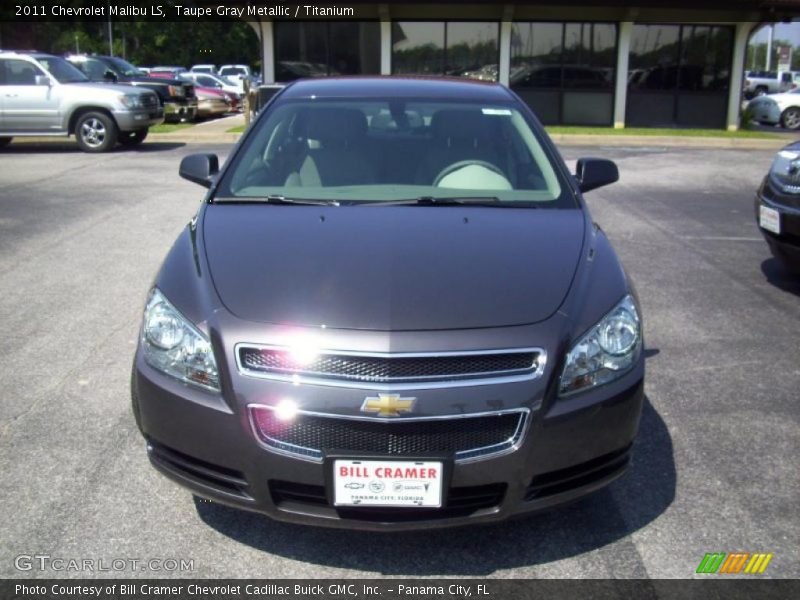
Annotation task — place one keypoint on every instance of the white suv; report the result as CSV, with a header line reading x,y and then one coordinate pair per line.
x,y
44,95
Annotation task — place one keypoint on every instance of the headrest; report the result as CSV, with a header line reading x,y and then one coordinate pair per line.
x,y
460,124
335,125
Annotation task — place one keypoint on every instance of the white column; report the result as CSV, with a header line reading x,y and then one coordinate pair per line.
x,y
386,39
504,68
737,74
386,47
505,52
268,52
621,88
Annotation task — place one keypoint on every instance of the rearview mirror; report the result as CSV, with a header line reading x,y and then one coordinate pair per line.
x,y
43,80
593,173
199,168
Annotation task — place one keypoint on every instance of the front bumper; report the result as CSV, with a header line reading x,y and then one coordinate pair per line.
x,y
785,246
133,120
764,110
180,111
571,447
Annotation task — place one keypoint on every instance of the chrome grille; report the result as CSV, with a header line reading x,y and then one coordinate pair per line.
x,y
401,368
312,435
149,100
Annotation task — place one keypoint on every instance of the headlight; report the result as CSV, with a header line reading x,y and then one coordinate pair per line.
x,y
176,90
174,346
785,171
605,352
131,100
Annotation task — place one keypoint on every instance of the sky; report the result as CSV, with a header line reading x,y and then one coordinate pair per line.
x,y
783,31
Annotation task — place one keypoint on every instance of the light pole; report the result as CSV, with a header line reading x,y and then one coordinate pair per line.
x,y
769,48
110,32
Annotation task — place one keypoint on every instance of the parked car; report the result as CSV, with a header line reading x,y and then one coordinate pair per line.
x,y
176,96
236,73
776,109
44,95
173,71
211,102
214,82
758,83
210,69
777,207
418,328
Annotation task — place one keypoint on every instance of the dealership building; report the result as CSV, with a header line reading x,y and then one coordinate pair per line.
x,y
677,63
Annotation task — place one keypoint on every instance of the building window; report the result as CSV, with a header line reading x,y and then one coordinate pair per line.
x,y
456,49
319,49
679,75
565,71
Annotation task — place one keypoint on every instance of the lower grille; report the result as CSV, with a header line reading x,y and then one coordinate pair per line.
x,y
311,435
461,502
221,479
564,480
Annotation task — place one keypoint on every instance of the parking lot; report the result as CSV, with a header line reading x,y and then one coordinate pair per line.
x,y
81,238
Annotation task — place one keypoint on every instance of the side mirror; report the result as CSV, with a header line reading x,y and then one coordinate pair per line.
x,y
200,168
43,80
593,173
109,75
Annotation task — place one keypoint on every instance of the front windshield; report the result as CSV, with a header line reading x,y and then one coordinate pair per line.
x,y
232,71
392,150
63,71
126,68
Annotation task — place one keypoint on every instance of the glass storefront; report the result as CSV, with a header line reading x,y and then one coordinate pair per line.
x,y
679,75
455,49
319,49
565,71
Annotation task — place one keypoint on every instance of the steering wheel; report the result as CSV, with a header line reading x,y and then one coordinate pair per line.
x,y
467,163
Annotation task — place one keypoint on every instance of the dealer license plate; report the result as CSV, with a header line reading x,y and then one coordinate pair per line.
x,y
387,483
769,219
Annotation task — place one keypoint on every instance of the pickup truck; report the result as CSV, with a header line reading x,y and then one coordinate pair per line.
x,y
758,83
44,95
177,97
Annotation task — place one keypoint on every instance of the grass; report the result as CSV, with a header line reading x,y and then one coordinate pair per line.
x,y
239,129
170,127
650,131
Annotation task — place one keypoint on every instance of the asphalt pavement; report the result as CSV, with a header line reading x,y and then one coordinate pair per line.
x,y
82,236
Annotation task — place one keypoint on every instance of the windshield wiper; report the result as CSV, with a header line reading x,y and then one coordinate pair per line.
x,y
445,201
278,199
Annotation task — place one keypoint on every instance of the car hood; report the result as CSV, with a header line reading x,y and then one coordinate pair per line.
x,y
392,268
110,88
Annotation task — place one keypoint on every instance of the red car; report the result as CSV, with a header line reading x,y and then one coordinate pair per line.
x,y
211,102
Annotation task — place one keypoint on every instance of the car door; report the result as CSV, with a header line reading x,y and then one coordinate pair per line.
x,y
28,107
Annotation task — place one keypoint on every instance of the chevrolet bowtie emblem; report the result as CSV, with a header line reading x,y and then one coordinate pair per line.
x,y
388,405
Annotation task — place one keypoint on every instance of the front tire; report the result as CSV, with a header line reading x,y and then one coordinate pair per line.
x,y
96,132
5,141
790,118
132,138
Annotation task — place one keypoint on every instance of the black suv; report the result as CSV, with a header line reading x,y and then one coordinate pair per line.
x,y
177,97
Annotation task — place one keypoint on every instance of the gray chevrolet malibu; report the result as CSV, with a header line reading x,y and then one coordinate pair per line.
x,y
391,311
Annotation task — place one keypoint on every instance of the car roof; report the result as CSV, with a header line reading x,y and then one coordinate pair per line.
x,y
398,86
